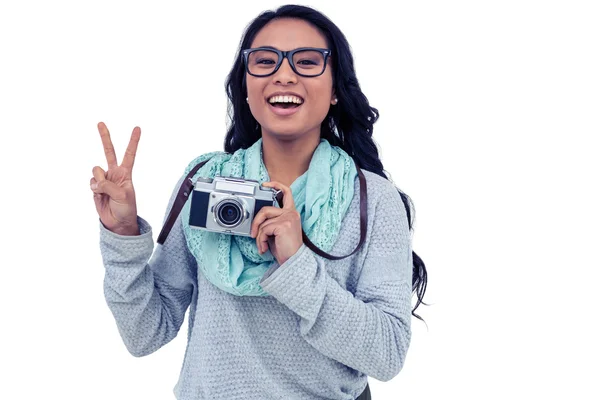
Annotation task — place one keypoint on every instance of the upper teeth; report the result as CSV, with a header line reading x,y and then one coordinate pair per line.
x,y
285,99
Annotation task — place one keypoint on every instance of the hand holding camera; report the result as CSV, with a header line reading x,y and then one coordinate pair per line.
x,y
114,195
229,204
278,229
244,207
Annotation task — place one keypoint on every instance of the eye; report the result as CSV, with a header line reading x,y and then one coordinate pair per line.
x,y
307,62
265,61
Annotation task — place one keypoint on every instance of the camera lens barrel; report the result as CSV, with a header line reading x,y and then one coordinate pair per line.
x,y
229,213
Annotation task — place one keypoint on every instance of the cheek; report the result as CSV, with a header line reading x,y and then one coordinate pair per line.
x,y
321,98
252,87
254,90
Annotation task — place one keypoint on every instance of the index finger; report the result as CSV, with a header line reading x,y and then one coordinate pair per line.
x,y
264,214
129,156
288,198
109,150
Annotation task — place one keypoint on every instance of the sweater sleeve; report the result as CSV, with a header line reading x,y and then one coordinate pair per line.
x,y
148,294
369,331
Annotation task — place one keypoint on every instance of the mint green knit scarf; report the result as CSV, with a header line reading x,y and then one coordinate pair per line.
x,y
322,196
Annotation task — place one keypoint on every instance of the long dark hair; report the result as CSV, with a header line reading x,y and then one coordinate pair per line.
x,y
348,124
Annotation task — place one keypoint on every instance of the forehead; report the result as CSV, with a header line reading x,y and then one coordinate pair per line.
x,y
288,34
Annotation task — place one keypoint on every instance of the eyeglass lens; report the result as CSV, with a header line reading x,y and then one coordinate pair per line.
x,y
306,62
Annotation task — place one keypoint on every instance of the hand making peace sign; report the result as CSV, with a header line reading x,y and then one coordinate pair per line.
x,y
113,190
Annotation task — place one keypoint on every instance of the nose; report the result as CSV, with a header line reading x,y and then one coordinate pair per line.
x,y
285,74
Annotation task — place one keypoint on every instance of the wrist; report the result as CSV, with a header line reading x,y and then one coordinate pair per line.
x,y
130,230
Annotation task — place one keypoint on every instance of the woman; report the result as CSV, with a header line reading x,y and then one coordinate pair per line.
x,y
269,318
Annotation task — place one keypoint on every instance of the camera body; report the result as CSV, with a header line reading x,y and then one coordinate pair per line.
x,y
229,204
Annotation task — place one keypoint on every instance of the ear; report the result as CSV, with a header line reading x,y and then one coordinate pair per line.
x,y
334,98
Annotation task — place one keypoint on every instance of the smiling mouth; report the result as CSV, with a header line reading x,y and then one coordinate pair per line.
x,y
285,101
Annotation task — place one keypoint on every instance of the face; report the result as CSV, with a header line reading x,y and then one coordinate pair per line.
x,y
316,93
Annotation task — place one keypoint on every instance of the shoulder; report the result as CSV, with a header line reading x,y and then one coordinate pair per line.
x,y
378,186
212,157
383,197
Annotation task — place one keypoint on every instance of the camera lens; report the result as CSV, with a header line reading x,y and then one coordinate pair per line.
x,y
229,214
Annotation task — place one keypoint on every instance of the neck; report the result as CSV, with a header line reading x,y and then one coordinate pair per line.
x,y
286,160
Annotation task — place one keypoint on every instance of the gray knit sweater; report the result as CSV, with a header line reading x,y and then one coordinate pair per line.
x,y
325,326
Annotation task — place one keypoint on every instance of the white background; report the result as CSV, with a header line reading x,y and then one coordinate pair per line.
x,y
489,122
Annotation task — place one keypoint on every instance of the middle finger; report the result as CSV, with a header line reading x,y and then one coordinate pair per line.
x,y
129,157
265,232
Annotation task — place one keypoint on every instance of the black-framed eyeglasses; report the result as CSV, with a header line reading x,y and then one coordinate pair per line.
x,y
305,61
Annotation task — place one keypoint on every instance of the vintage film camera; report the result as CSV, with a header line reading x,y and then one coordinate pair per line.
x,y
229,204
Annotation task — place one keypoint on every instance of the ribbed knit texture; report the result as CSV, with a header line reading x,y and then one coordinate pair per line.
x,y
325,326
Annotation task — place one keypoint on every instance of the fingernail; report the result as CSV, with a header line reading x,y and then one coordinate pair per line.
x,y
94,186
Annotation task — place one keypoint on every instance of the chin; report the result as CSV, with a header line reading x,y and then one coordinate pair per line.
x,y
283,132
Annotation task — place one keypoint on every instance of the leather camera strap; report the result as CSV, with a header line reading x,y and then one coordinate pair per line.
x,y
188,185
182,196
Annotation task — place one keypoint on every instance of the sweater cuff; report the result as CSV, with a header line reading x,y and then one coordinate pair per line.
x,y
126,249
142,224
293,283
274,267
